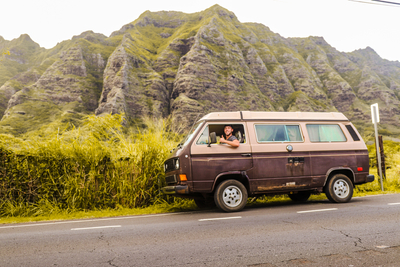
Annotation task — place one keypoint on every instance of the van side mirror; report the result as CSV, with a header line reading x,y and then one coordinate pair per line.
x,y
212,139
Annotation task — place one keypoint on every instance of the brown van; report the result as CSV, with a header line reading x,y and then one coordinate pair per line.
x,y
294,153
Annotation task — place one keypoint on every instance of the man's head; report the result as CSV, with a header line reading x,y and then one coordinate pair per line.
x,y
228,130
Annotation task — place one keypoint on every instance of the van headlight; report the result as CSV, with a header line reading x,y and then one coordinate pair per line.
x,y
177,164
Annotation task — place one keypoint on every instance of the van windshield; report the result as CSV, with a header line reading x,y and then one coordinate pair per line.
x,y
190,135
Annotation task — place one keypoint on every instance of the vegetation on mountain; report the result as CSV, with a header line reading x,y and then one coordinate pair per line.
x,y
181,65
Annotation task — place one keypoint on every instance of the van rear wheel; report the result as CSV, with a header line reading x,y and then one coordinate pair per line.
x,y
300,196
230,196
339,189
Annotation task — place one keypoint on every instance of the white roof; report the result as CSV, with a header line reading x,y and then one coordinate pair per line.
x,y
285,116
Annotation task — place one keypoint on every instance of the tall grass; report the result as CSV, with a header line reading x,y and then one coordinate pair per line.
x,y
102,166
94,167
391,183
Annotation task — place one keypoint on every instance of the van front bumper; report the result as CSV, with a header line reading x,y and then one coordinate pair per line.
x,y
370,178
175,189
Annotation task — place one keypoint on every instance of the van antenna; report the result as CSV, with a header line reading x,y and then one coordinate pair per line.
x,y
191,128
195,120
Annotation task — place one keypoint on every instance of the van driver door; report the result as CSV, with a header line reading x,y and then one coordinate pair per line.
x,y
209,161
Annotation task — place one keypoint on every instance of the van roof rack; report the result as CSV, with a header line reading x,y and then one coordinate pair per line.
x,y
281,116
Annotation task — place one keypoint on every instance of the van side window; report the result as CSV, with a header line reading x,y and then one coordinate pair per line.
x,y
325,133
278,133
352,133
238,132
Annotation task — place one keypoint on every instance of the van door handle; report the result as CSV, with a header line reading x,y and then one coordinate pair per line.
x,y
246,155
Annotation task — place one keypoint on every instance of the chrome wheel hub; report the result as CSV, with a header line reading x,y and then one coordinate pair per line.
x,y
232,196
341,188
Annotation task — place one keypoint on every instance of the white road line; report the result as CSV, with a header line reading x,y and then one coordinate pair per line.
x,y
307,211
217,219
91,220
382,246
96,227
391,204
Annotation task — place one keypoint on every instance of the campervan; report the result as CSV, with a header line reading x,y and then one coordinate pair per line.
x,y
294,153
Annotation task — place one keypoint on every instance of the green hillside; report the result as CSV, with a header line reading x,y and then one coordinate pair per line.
x,y
181,65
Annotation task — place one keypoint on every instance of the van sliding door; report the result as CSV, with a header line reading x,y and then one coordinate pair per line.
x,y
280,159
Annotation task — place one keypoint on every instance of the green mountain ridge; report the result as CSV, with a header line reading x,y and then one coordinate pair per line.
x,y
170,63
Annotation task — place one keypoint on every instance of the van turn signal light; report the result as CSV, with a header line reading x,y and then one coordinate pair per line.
x,y
183,177
360,169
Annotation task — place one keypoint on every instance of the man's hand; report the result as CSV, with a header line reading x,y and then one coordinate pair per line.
x,y
222,139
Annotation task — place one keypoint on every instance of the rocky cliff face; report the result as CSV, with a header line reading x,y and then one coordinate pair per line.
x,y
183,65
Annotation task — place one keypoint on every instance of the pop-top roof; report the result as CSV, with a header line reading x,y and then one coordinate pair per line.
x,y
285,116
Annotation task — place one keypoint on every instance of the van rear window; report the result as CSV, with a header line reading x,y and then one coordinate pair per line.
x,y
325,133
278,133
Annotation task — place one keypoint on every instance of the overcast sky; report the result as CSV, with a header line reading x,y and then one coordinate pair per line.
x,y
346,25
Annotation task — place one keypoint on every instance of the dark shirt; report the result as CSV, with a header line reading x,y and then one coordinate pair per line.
x,y
232,138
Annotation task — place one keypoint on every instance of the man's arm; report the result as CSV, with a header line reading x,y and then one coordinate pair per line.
x,y
234,143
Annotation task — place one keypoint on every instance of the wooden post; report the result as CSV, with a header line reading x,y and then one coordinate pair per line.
x,y
383,165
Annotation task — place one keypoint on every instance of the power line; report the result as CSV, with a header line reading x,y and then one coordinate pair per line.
x,y
379,2
387,2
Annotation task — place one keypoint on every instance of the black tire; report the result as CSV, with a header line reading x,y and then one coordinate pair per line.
x,y
205,203
339,189
230,196
300,196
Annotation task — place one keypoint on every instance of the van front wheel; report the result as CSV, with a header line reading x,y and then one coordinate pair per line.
x,y
230,196
339,189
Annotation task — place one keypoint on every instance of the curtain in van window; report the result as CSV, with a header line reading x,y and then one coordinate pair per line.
x,y
278,133
325,133
267,133
293,132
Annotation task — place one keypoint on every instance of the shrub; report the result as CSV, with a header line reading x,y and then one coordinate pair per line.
x,y
95,166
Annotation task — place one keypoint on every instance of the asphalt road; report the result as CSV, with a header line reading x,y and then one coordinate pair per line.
x,y
364,232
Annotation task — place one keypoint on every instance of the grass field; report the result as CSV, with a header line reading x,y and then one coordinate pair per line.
x,y
51,213
99,170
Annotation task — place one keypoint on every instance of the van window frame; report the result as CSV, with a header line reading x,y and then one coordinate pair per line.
x,y
191,135
279,142
220,123
327,142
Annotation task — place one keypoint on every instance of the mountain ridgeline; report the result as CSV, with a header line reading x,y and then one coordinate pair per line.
x,y
182,65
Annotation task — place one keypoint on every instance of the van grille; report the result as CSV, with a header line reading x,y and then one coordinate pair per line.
x,y
170,179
